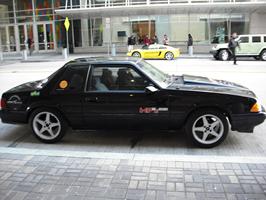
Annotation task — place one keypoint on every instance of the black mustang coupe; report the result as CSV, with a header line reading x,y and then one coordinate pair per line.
x,y
129,93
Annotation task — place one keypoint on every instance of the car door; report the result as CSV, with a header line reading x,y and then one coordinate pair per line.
x,y
119,99
244,46
67,94
151,52
256,45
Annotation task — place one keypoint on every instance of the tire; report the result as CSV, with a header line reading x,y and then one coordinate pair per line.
x,y
263,55
48,125
224,55
136,54
169,55
207,128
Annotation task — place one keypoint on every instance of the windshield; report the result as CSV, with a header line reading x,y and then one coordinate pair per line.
x,y
161,78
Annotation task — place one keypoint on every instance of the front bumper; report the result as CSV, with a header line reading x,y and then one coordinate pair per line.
x,y
13,117
247,122
213,52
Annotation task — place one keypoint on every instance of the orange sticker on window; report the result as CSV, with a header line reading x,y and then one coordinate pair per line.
x,y
63,84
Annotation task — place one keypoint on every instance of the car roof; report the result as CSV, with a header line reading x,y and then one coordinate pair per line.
x,y
104,60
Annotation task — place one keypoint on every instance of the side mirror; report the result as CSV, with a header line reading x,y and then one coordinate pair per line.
x,y
150,89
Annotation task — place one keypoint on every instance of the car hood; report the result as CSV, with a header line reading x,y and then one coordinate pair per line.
x,y
27,87
204,84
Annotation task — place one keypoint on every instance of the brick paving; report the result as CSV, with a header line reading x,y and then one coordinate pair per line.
x,y
35,177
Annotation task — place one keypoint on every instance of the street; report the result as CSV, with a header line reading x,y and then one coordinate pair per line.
x,y
248,73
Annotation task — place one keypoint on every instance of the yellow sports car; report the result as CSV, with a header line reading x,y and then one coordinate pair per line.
x,y
156,51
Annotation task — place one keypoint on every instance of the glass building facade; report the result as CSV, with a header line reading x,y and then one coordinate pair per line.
x,y
37,20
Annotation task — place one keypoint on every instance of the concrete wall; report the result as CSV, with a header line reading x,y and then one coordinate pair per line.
x,y
257,23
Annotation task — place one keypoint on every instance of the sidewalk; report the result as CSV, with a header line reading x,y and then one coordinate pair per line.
x,y
46,57
33,176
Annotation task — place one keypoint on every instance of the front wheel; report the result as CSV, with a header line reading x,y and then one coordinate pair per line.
x,y
136,54
207,128
263,55
223,55
169,56
48,125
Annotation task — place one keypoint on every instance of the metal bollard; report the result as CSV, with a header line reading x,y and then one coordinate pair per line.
x,y
1,56
113,50
24,54
64,53
190,50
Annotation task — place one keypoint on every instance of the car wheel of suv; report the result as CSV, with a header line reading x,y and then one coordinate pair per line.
x,y
223,55
263,55
207,128
136,54
48,125
169,56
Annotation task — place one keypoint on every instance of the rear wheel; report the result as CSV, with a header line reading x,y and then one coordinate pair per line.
x,y
223,55
48,125
169,56
207,128
263,55
136,54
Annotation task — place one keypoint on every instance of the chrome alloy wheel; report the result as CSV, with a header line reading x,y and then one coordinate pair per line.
x,y
208,129
225,55
136,54
46,125
169,56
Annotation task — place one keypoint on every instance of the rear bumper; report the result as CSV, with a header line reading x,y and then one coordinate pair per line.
x,y
247,122
13,117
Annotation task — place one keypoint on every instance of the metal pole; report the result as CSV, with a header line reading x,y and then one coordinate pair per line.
x,y
67,42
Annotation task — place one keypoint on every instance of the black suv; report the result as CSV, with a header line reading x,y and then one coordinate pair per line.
x,y
129,93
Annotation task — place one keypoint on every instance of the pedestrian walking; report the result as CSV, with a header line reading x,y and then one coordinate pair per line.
x,y
165,40
129,44
146,41
233,43
190,44
155,40
29,42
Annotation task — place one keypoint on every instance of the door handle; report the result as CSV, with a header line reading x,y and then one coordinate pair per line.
x,y
91,99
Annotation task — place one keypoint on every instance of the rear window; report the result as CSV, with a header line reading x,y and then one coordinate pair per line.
x,y
244,39
256,39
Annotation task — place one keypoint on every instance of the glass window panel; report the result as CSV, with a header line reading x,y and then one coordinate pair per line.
x,y
199,29
22,37
256,39
49,36
3,39
219,28
77,33
12,40
239,23
244,39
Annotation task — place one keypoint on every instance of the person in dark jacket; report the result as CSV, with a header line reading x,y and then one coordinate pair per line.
x,y
190,44
233,43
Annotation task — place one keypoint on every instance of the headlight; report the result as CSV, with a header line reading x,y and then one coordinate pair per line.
x,y
256,108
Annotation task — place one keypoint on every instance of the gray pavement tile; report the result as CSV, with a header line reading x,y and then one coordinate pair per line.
x,y
135,194
233,188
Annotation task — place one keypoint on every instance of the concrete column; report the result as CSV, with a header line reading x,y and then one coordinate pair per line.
x,y
85,32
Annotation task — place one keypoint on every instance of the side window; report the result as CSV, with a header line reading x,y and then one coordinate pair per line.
x,y
264,38
73,80
256,39
115,78
244,39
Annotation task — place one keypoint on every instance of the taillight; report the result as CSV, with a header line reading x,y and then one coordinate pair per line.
x,y
2,103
